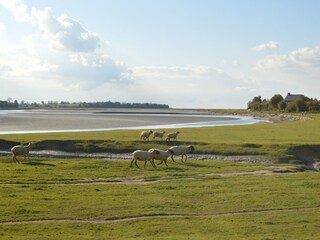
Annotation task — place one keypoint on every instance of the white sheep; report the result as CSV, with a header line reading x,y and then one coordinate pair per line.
x,y
145,135
158,134
181,150
143,156
172,135
163,155
21,150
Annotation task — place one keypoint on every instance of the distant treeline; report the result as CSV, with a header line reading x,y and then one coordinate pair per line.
x,y
121,105
291,103
65,104
9,104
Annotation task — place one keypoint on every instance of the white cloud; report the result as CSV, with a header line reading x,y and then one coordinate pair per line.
x,y
61,50
19,10
2,26
303,59
297,71
266,46
64,33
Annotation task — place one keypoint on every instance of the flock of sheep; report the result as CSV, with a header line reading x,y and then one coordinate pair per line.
x,y
138,155
158,154
146,134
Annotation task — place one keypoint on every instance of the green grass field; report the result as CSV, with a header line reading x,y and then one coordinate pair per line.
x,y
199,199
101,199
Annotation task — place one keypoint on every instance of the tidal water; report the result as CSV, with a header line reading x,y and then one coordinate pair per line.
x,y
46,121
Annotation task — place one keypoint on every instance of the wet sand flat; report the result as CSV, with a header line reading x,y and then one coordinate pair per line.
x,y
42,120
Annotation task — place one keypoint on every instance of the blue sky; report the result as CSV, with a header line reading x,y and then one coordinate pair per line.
x,y
188,54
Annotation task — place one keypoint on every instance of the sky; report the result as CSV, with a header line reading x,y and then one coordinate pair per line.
x,y
184,53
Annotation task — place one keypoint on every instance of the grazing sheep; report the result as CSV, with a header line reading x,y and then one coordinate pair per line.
x,y
172,135
145,135
163,155
144,156
158,134
21,150
181,150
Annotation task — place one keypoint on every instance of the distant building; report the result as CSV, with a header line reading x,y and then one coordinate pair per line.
x,y
292,97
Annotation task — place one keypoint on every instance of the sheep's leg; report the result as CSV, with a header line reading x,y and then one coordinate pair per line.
x,y
165,162
135,162
152,162
172,158
15,158
182,158
131,162
161,161
186,157
145,163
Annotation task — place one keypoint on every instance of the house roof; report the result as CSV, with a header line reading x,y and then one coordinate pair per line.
x,y
293,97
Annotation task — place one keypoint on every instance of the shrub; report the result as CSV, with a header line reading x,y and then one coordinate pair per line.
x,y
291,107
301,105
282,105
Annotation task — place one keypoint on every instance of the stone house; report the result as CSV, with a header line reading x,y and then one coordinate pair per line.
x,y
292,97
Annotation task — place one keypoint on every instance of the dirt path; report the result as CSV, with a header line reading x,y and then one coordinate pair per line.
x,y
141,217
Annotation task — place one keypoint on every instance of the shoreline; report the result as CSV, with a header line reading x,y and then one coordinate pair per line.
x,y
48,121
106,119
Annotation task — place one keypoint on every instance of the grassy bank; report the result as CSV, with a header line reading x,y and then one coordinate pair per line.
x,y
282,141
81,199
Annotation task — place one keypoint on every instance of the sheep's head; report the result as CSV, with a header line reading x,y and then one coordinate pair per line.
x,y
151,131
29,145
191,148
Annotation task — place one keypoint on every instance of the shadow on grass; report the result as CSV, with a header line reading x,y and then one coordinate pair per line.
x,y
34,163
174,169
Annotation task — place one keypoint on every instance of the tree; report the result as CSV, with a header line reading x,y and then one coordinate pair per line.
x,y
282,105
313,105
275,100
257,99
15,103
265,105
255,104
301,105
291,107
